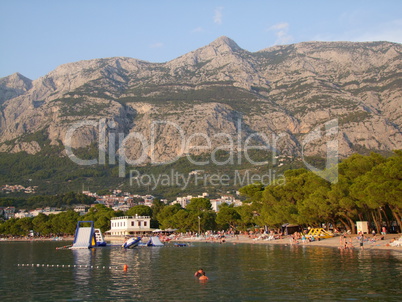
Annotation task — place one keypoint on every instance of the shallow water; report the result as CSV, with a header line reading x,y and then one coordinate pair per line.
x,y
241,272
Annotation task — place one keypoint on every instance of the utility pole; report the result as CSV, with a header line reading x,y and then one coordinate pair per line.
x,y
199,226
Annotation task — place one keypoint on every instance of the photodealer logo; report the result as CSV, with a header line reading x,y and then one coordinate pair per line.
x,y
136,148
330,173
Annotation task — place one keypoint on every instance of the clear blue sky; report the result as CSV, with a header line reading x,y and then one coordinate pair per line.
x,y
37,36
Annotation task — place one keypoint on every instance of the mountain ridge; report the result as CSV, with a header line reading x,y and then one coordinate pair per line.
x,y
285,90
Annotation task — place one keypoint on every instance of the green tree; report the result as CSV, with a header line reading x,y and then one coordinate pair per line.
x,y
380,188
253,192
10,227
246,216
165,216
199,205
156,207
101,216
185,220
345,207
41,225
139,210
24,225
64,223
208,221
228,217
314,207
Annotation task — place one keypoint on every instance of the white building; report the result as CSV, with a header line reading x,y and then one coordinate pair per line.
x,y
216,203
129,225
22,214
82,209
184,201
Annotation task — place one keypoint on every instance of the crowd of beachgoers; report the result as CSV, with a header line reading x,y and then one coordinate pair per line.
x,y
340,240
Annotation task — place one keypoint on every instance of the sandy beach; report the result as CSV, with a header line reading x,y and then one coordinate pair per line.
x,y
333,242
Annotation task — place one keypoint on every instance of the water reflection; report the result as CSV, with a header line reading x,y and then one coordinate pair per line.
x,y
236,272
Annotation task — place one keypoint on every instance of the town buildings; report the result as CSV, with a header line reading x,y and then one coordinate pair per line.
x,y
118,201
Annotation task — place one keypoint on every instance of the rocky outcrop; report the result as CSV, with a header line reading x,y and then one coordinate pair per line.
x,y
217,96
13,86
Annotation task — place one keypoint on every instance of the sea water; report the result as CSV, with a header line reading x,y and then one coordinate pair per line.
x,y
37,271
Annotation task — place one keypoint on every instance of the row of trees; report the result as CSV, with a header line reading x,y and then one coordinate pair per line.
x,y
197,214
368,188
57,224
41,201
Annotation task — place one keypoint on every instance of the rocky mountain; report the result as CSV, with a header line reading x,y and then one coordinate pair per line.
x,y
215,96
13,86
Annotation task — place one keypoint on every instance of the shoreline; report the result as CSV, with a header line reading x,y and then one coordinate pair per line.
x,y
65,238
333,242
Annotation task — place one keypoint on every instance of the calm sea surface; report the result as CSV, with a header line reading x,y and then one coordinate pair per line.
x,y
241,272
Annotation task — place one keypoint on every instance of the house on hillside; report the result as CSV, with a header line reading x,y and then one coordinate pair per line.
x,y
9,212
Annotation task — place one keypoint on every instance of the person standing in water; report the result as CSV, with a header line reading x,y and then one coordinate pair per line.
x,y
203,277
199,273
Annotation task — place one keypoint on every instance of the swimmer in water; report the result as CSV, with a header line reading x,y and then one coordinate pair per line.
x,y
199,273
203,277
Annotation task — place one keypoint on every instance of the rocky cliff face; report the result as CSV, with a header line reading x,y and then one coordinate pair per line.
x,y
218,95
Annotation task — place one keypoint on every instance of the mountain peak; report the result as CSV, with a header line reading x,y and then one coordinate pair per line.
x,y
16,80
225,42
21,77
14,77
13,85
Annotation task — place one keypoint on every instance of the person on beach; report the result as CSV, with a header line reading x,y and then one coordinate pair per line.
x,y
361,242
350,243
199,273
203,277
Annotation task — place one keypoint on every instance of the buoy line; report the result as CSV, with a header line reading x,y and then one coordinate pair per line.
x,y
68,266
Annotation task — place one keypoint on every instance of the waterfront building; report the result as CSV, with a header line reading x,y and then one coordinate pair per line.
x,y
130,225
